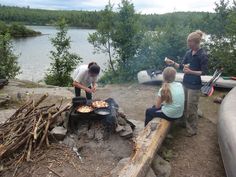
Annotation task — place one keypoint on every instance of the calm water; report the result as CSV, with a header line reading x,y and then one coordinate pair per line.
x,y
34,52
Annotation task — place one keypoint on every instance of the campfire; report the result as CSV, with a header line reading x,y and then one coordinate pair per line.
x,y
105,113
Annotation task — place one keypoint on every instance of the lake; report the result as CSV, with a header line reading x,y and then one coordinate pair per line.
x,y
34,52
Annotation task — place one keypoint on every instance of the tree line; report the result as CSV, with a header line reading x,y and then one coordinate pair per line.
x,y
90,19
135,42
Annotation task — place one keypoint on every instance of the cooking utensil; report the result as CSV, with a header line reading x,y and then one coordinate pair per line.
x,y
100,104
85,109
102,111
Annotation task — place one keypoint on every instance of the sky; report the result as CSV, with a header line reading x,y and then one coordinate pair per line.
x,y
141,6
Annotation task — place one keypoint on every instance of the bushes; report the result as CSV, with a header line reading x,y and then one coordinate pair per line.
x,y
63,62
8,60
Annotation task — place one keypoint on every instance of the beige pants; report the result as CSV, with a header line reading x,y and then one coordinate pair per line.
x,y
191,110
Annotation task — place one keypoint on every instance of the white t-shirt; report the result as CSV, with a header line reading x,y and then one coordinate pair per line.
x,y
81,75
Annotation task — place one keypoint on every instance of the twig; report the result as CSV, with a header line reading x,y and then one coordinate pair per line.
x,y
54,172
45,131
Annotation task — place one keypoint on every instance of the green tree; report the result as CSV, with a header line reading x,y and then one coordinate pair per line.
x,y
164,42
63,62
222,51
102,38
126,39
9,67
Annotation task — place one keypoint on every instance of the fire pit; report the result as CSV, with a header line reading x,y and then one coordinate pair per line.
x,y
104,112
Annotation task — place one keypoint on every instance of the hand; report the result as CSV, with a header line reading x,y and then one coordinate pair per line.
x,y
169,61
88,90
186,70
94,89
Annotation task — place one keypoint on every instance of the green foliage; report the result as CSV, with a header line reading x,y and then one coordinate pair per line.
x,y
119,35
63,62
8,60
26,15
17,30
90,19
102,38
222,45
127,37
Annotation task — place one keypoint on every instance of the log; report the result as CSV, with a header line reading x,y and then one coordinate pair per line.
x,y
146,145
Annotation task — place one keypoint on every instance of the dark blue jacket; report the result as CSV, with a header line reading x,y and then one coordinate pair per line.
x,y
198,62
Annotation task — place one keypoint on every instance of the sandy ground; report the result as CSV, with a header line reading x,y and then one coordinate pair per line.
x,y
198,156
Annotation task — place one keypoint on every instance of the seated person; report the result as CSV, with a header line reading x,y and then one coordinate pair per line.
x,y
85,77
170,100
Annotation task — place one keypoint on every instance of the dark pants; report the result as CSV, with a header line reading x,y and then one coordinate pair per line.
x,y
78,93
155,112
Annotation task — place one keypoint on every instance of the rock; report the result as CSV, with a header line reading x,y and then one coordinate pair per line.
x,y
69,141
121,121
121,113
128,132
218,100
161,167
59,133
119,166
5,114
139,126
4,98
200,113
150,173
119,128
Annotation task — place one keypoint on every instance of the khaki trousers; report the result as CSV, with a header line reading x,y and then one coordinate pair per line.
x,y
191,110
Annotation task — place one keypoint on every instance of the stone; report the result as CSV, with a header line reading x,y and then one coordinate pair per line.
x,y
119,128
119,167
59,133
161,167
139,126
5,114
200,113
4,98
121,121
128,132
150,173
69,141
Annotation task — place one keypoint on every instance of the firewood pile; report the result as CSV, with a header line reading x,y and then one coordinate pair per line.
x,y
26,132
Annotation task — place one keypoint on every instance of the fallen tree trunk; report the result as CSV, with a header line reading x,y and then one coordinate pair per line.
x,y
146,145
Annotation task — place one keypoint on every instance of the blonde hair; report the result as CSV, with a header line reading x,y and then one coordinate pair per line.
x,y
169,74
196,36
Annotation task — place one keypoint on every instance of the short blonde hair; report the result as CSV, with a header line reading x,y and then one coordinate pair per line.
x,y
196,36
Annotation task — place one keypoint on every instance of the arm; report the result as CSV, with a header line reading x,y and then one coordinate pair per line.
x,y
204,68
176,65
189,71
79,85
158,105
94,86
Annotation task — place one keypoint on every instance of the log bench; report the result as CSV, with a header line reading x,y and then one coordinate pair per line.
x,y
147,144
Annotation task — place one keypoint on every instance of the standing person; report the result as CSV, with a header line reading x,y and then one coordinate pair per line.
x,y
170,100
85,77
194,65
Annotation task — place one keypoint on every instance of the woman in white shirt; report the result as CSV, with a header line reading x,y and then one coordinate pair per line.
x,y
85,78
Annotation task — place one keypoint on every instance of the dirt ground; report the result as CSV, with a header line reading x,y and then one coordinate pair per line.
x,y
198,156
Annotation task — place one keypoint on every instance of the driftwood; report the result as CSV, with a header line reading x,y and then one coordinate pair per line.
x,y
146,145
26,131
